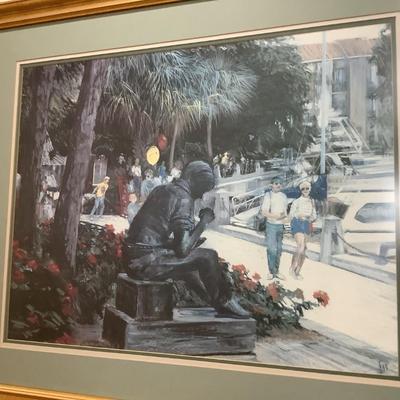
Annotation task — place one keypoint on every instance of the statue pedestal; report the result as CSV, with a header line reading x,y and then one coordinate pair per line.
x,y
144,300
193,331
144,320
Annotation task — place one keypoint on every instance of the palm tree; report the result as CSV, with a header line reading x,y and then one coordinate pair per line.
x,y
225,88
146,91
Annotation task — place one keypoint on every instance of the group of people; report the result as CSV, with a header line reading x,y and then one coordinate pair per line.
x,y
226,165
133,184
302,213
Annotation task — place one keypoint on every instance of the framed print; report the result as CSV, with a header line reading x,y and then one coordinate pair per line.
x,y
217,201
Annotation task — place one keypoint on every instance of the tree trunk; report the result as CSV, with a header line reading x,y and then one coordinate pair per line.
x,y
173,143
66,221
209,136
33,136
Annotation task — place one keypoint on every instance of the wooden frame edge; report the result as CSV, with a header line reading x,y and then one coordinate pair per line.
x,y
17,13
8,392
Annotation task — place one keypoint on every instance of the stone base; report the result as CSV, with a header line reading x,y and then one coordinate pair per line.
x,y
144,300
193,331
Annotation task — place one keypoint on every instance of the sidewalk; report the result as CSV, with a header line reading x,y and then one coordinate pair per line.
x,y
361,308
363,266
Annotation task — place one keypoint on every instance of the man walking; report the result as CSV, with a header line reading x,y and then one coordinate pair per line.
x,y
274,208
100,193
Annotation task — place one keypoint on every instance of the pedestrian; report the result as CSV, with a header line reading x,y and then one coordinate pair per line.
x,y
302,214
148,184
136,173
122,184
133,207
274,208
100,194
162,172
176,170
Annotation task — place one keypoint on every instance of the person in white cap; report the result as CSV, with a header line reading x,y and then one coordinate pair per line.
x,y
302,214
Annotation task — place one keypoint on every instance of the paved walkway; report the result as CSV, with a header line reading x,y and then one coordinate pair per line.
x,y
361,308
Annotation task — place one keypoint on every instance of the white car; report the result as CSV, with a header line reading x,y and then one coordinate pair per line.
x,y
369,221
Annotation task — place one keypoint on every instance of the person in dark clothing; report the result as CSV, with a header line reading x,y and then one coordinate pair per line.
x,y
163,239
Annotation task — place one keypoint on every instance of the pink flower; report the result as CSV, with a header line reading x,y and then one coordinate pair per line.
x,y
273,291
33,265
239,268
109,227
20,254
322,297
118,252
92,259
256,277
249,284
65,339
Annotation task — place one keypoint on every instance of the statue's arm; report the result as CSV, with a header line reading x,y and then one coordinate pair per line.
x,y
185,241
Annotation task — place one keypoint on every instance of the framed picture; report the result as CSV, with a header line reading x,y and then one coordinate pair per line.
x,y
219,201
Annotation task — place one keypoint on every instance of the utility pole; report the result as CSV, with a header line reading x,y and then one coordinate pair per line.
x,y
323,106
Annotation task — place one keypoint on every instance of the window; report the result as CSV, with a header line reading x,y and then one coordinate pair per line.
x,y
376,212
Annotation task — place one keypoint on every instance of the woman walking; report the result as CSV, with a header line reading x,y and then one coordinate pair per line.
x,y
302,214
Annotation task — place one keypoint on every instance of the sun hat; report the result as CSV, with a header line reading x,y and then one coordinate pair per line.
x,y
305,184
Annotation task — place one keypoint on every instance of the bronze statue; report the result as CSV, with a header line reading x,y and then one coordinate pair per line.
x,y
163,240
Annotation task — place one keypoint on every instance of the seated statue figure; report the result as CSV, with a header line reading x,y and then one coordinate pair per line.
x,y
163,239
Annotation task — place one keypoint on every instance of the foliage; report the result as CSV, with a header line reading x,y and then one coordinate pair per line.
x,y
41,300
276,109
272,306
43,304
99,259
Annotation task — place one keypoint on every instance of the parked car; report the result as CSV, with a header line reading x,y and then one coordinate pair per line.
x,y
368,219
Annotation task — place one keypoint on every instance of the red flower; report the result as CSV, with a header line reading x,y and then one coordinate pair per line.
x,y
273,291
239,268
15,244
33,265
109,228
65,339
18,276
118,252
71,291
91,259
32,319
256,277
53,268
322,297
249,284
20,254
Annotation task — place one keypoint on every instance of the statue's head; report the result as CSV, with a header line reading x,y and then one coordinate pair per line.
x,y
200,177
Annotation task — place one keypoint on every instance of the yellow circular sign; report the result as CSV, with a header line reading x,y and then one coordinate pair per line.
x,y
153,155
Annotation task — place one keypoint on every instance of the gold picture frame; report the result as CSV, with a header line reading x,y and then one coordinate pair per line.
x,y
116,374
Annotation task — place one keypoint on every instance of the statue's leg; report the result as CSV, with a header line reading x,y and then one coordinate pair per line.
x,y
200,270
